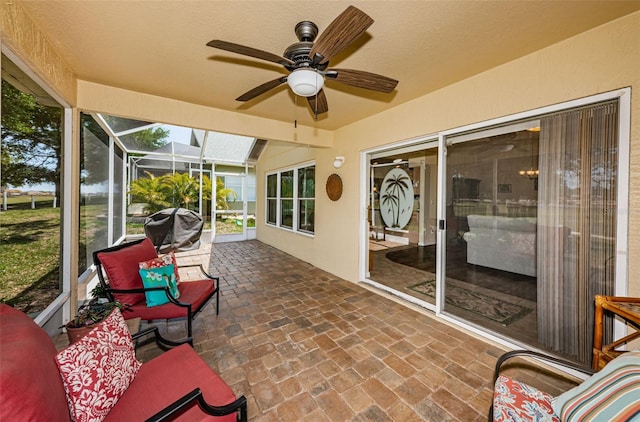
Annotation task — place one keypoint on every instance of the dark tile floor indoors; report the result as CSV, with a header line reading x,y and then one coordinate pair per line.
x,y
304,345
400,267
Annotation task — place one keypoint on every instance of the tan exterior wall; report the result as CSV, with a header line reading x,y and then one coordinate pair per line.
x,y
603,59
26,41
131,104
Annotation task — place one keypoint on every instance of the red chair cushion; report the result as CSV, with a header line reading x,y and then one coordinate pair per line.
x,y
30,385
517,401
165,379
194,292
121,267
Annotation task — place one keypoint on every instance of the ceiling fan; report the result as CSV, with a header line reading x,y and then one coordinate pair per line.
x,y
308,60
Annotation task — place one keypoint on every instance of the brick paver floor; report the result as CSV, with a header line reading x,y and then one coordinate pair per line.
x,y
304,345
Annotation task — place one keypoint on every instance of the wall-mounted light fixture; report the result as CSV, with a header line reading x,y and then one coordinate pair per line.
x,y
338,162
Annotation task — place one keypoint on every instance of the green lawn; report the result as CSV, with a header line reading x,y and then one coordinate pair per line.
x,y
29,255
24,202
30,248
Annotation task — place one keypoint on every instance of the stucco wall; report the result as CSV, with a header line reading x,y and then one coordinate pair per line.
x,y
131,104
600,60
26,41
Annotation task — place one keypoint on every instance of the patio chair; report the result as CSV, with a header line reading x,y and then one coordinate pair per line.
x,y
606,395
118,272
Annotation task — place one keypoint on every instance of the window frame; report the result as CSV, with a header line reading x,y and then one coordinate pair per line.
x,y
279,198
67,218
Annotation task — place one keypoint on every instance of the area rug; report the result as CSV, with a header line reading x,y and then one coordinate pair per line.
x,y
424,258
419,257
488,307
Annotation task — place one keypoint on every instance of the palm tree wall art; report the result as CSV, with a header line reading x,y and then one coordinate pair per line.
x,y
396,199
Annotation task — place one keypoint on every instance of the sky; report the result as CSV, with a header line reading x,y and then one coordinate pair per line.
x,y
177,134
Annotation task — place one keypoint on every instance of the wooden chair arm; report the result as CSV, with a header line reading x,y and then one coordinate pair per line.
x,y
176,408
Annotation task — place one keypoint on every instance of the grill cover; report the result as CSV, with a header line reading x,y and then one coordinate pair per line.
x,y
174,229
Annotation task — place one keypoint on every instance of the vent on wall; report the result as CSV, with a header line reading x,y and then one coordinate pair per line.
x,y
257,149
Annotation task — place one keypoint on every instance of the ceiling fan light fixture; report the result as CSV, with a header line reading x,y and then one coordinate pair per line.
x,y
305,82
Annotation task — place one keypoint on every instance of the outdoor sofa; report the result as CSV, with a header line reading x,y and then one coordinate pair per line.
x,y
178,383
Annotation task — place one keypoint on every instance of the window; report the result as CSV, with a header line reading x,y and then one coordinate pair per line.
x,y
272,198
31,242
235,193
306,198
286,199
94,190
291,199
101,200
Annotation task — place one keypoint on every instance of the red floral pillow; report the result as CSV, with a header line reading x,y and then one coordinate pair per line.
x,y
161,261
98,369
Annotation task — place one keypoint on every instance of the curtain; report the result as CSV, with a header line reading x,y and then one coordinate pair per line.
x,y
576,225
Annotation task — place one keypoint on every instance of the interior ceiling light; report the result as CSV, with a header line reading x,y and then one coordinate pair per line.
x,y
305,82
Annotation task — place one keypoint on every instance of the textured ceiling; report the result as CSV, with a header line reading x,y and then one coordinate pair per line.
x,y
158,47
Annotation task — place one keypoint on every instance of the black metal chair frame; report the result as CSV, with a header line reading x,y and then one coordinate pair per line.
x,y
536,355
191,314
195,396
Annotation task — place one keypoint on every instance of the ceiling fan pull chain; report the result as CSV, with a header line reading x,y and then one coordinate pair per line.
x,y
295,111
315,110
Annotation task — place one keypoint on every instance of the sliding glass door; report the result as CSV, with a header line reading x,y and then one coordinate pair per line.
x,y
402,198
492,197
531,227
530,223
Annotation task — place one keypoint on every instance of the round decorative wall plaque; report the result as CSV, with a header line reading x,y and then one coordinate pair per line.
x,y
334,187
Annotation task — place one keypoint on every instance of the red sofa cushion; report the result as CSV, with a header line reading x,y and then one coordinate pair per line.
x,y
121,268
165,379
30,385
193,292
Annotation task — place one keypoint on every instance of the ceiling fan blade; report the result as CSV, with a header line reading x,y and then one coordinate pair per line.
x,y
318,103
344,29
249,51
261,89
362,79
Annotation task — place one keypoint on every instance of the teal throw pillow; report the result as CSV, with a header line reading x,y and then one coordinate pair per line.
x,y
158,277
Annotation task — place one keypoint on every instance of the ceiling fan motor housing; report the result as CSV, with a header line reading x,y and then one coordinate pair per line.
x,y
306,31
298,52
